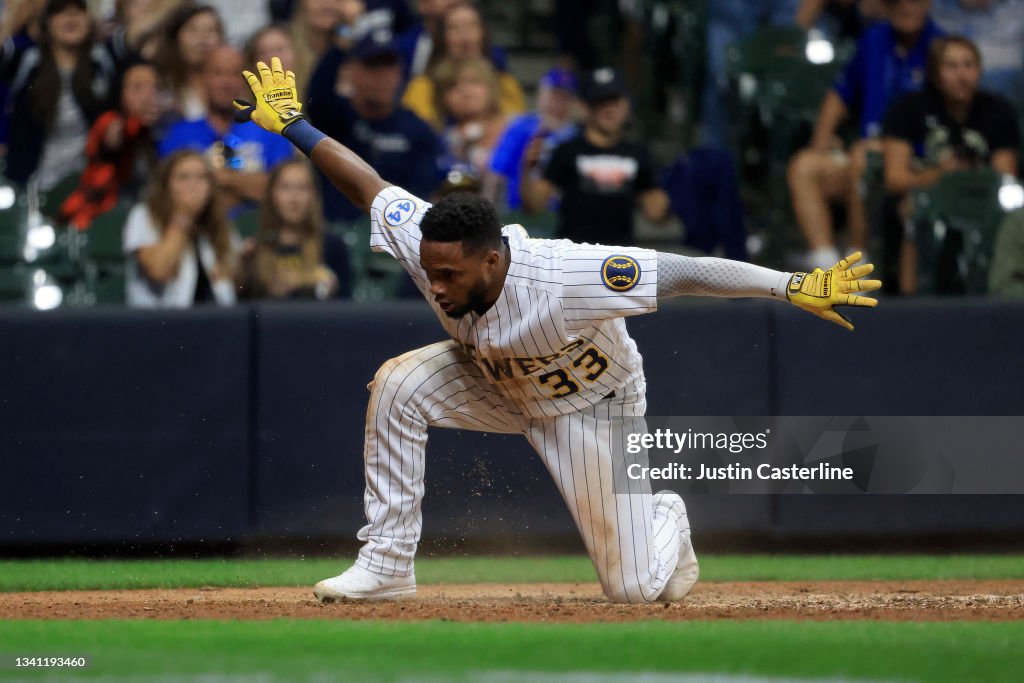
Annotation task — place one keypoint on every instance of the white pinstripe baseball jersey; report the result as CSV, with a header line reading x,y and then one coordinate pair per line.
x,y
555,340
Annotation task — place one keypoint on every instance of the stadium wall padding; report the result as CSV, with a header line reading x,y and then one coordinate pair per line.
x,y
120,425
231,425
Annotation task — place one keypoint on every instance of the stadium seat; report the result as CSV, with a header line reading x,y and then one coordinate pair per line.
x,y
50,200
375,276
108,287
1006,277
15,284
777,91
771,70
1020,127
12,233
956,225
103,239
874,194
32,247
248,223
32,286
543,225
689,20
103,254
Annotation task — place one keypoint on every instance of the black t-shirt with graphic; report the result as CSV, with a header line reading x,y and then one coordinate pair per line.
x,y
921,119
599,186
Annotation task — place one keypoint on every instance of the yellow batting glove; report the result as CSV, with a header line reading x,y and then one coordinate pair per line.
x,y
277,103
819,292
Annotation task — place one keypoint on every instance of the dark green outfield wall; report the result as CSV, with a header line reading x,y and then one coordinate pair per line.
x,y
211,425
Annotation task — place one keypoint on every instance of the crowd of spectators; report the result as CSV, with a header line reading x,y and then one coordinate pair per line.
x,y
916,85
890,59
134,98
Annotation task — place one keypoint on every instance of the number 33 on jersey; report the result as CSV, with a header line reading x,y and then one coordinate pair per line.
x,y
555,339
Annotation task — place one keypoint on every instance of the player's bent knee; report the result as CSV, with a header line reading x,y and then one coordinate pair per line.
x,y
403,379
395,370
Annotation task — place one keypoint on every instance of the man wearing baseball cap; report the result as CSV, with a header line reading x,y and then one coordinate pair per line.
x,y
552,123
601,176
370,122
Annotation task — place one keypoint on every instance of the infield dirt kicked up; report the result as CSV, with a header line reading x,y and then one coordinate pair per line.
x,y
961,600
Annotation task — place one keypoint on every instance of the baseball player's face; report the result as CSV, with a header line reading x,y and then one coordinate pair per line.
x,y
460,283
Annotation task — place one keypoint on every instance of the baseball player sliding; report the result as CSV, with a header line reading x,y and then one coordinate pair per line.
x,y
538,347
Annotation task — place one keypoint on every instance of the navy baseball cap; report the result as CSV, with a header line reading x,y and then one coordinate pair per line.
x,y
560,78
602,84
377,45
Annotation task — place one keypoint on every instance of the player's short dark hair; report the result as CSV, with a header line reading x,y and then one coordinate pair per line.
x,y
463,217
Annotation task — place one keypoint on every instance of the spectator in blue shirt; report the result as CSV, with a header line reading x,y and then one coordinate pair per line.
x,y
890,59
552,123
241,153
400,145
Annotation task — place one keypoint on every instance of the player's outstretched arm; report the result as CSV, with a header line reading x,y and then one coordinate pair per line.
x,y
818,292
277,109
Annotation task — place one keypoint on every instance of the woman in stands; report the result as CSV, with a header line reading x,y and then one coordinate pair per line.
x,y
179,245
314,26
190,35
271,41
463,35
286,261
120,150
950,125
468,95
59,84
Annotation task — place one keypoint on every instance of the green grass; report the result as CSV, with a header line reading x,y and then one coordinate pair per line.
x,y
73,574
432,652
290,650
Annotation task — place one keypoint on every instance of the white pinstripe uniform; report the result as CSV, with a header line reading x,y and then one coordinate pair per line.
x,y
551,360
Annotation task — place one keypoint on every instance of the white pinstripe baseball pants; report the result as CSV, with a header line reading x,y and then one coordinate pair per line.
x,y
634,546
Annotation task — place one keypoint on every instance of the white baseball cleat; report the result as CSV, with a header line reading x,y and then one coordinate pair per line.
x,y
686,573
687,570
357,583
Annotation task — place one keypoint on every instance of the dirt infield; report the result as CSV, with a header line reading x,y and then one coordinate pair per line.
x,y
564,602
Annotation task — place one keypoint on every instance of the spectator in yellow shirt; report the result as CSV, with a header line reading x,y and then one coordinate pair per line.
x,y
462,35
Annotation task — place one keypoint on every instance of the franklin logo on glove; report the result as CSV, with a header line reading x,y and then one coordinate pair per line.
x,y
277,107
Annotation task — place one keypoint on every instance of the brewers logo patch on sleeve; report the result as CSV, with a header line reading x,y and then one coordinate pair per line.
x,y
620,273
